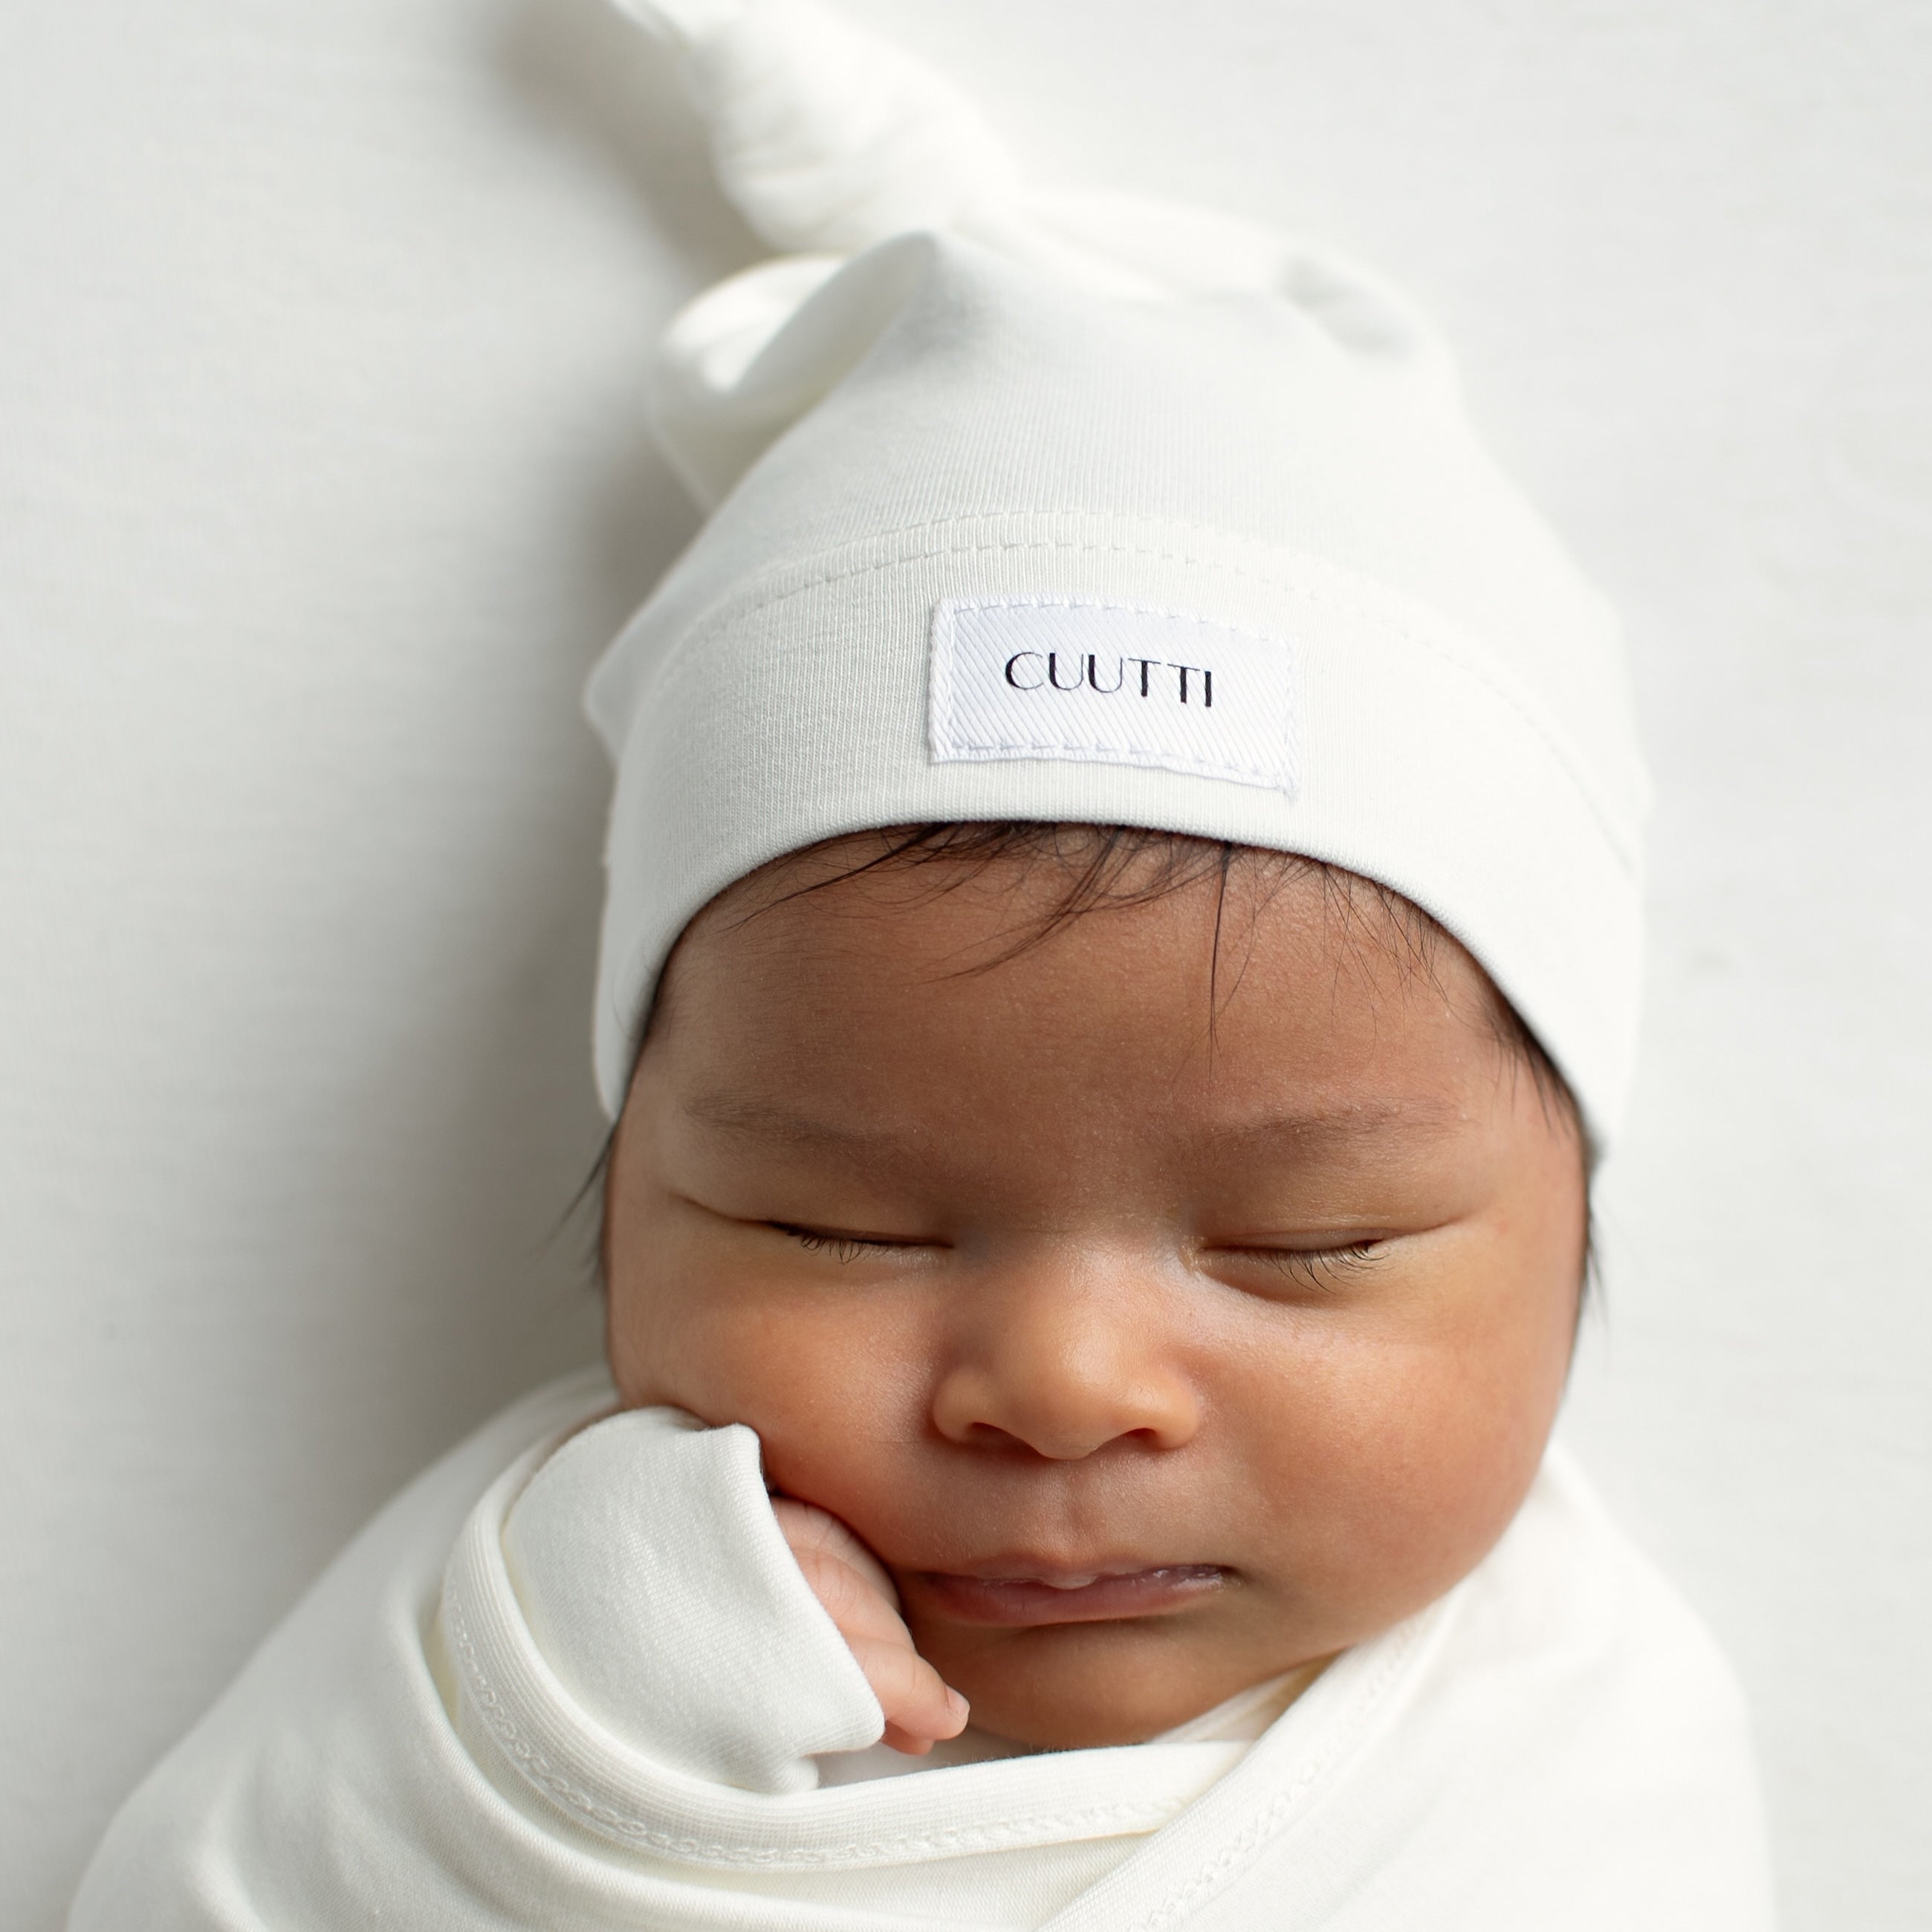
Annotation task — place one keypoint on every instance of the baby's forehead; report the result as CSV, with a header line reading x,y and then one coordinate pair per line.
x,y
1092,971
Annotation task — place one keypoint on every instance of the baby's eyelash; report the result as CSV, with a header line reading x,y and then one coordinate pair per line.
x,y
841,1247
1317,1268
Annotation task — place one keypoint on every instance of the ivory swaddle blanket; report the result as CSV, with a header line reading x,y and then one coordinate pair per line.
x,y
470,1723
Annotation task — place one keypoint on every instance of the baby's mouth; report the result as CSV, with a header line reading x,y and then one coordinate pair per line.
x,y
1023,1595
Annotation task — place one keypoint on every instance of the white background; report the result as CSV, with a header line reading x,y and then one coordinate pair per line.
x,y
322,481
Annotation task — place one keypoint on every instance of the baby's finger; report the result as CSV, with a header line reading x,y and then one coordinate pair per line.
x,y
918,1707
808,1527
858,1595
850,1600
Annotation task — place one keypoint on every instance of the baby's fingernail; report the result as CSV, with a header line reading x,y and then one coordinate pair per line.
x,y
956,1704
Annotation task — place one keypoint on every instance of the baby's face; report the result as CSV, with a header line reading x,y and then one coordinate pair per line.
x,y
1151,1360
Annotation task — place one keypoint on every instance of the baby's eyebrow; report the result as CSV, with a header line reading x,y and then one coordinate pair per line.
x,y
1422,1114
741,1114
1353,1119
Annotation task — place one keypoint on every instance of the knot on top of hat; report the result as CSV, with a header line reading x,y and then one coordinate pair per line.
x,y
826,139
831,143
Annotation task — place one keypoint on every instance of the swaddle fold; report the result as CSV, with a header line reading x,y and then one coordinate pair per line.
x,y
1554,1743
649,1572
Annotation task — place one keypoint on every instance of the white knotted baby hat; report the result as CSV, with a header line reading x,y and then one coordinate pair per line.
x,y
1029,507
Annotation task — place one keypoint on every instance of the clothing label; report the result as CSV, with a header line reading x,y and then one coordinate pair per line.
x,y
1044,677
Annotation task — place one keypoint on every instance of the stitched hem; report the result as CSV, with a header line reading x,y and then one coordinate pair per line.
x,y
1229,1862
555,1783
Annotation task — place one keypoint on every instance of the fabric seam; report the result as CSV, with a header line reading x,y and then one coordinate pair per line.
x,y
555,1784
1274,1816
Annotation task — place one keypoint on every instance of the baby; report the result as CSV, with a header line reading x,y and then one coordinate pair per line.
x,y
1121,958
1162,1258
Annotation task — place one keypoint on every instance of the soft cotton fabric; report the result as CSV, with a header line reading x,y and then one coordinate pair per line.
x,y
1554,1743
645,1561
1098,437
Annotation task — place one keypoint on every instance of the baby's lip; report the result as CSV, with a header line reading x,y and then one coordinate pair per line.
x,y
1021,1593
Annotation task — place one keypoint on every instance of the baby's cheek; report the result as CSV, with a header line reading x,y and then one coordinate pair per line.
x,y
678,1338
1391,1471
815,1375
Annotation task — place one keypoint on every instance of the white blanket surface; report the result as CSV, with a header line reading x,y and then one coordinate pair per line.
x,y
571,1677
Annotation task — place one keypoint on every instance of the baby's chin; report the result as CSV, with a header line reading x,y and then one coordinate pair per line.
x,y
1080,1686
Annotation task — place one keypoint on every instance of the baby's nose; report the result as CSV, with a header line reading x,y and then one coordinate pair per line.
x,y
1064,1357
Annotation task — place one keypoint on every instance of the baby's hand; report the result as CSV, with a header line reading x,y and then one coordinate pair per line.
x,y
848,1579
